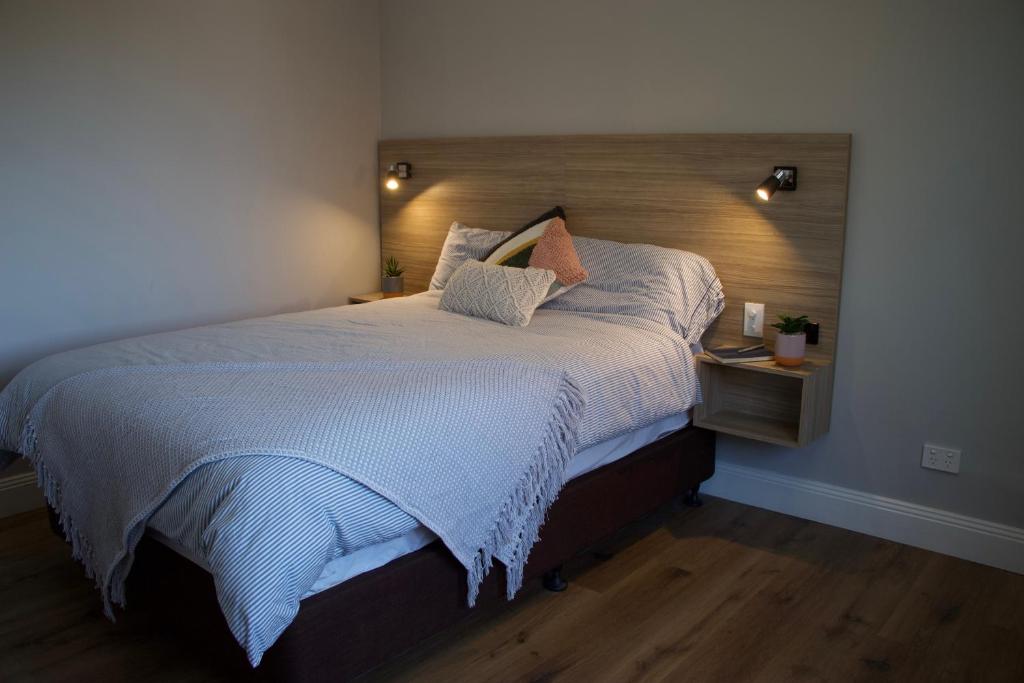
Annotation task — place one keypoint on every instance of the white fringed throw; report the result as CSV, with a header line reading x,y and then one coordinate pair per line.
x,y
476,451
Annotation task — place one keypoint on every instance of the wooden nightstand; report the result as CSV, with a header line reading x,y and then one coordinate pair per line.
x,y
765,401
371,296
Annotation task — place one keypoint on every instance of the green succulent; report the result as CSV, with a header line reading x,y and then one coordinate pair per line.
x,y
791,325
391,268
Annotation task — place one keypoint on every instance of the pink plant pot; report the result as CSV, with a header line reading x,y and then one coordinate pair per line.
x,y
790,349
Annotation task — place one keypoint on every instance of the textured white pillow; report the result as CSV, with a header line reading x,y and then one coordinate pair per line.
x,y
462,243
499,293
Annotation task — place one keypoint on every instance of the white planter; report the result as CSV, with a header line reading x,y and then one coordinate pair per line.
x,y
790,349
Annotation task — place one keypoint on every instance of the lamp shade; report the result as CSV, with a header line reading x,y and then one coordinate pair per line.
x,y
782,178
766,189
391,178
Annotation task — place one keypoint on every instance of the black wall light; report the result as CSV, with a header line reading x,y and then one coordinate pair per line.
x,y
396,172
783,178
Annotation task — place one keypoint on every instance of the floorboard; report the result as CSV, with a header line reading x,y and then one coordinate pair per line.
x,y
725,592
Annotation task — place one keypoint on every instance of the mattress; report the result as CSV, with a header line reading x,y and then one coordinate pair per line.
x,y
372,557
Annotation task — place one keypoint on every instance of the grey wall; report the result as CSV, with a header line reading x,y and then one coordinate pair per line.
x,y
933,94
165,164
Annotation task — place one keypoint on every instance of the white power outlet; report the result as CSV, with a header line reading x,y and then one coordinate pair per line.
x,y
940,458
753,320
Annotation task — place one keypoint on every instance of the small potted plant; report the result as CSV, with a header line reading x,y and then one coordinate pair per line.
x,y
791,341
391,282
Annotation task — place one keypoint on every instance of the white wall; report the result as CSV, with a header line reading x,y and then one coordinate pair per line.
x,y
165,164
933,93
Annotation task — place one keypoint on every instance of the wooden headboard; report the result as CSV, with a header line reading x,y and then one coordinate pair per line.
x,y
691,192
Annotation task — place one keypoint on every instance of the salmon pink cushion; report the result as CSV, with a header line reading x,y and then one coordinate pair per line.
x,y
554,251
517,250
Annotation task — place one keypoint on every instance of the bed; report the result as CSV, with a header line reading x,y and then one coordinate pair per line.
x,y
369,619
273,525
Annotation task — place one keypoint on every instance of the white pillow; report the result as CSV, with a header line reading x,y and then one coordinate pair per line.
x,y
677,289
500,293
461,244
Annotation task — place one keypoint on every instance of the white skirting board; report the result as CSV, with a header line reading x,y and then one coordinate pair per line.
x,y
19,493
970,538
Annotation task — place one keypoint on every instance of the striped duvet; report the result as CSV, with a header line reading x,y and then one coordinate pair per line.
x,y
266,526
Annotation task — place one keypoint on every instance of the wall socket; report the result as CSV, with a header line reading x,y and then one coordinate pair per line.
x,y
753,320
940,458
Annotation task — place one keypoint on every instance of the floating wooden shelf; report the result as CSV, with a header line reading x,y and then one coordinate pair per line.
x,y
765,401
372,296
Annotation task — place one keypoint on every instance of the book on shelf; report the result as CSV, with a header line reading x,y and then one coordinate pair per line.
x,y
740,354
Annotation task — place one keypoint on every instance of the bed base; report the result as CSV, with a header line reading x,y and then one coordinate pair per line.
x,y
369,619
692,498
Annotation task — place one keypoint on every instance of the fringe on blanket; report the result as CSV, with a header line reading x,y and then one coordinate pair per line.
x,y
513,533
81,550
517,526
110,582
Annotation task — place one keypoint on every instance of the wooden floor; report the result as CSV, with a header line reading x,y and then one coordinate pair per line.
x,y
721,593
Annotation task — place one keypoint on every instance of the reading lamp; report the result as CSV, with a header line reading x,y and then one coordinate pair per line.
x,y
782,178
396,172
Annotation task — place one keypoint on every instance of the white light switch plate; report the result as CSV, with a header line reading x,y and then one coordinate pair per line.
x,y
940,458
753,320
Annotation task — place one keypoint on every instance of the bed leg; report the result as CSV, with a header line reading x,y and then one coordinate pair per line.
x,y
693,498
553,580
51,514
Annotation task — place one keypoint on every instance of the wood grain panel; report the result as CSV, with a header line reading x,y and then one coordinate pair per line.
x,y
692,192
